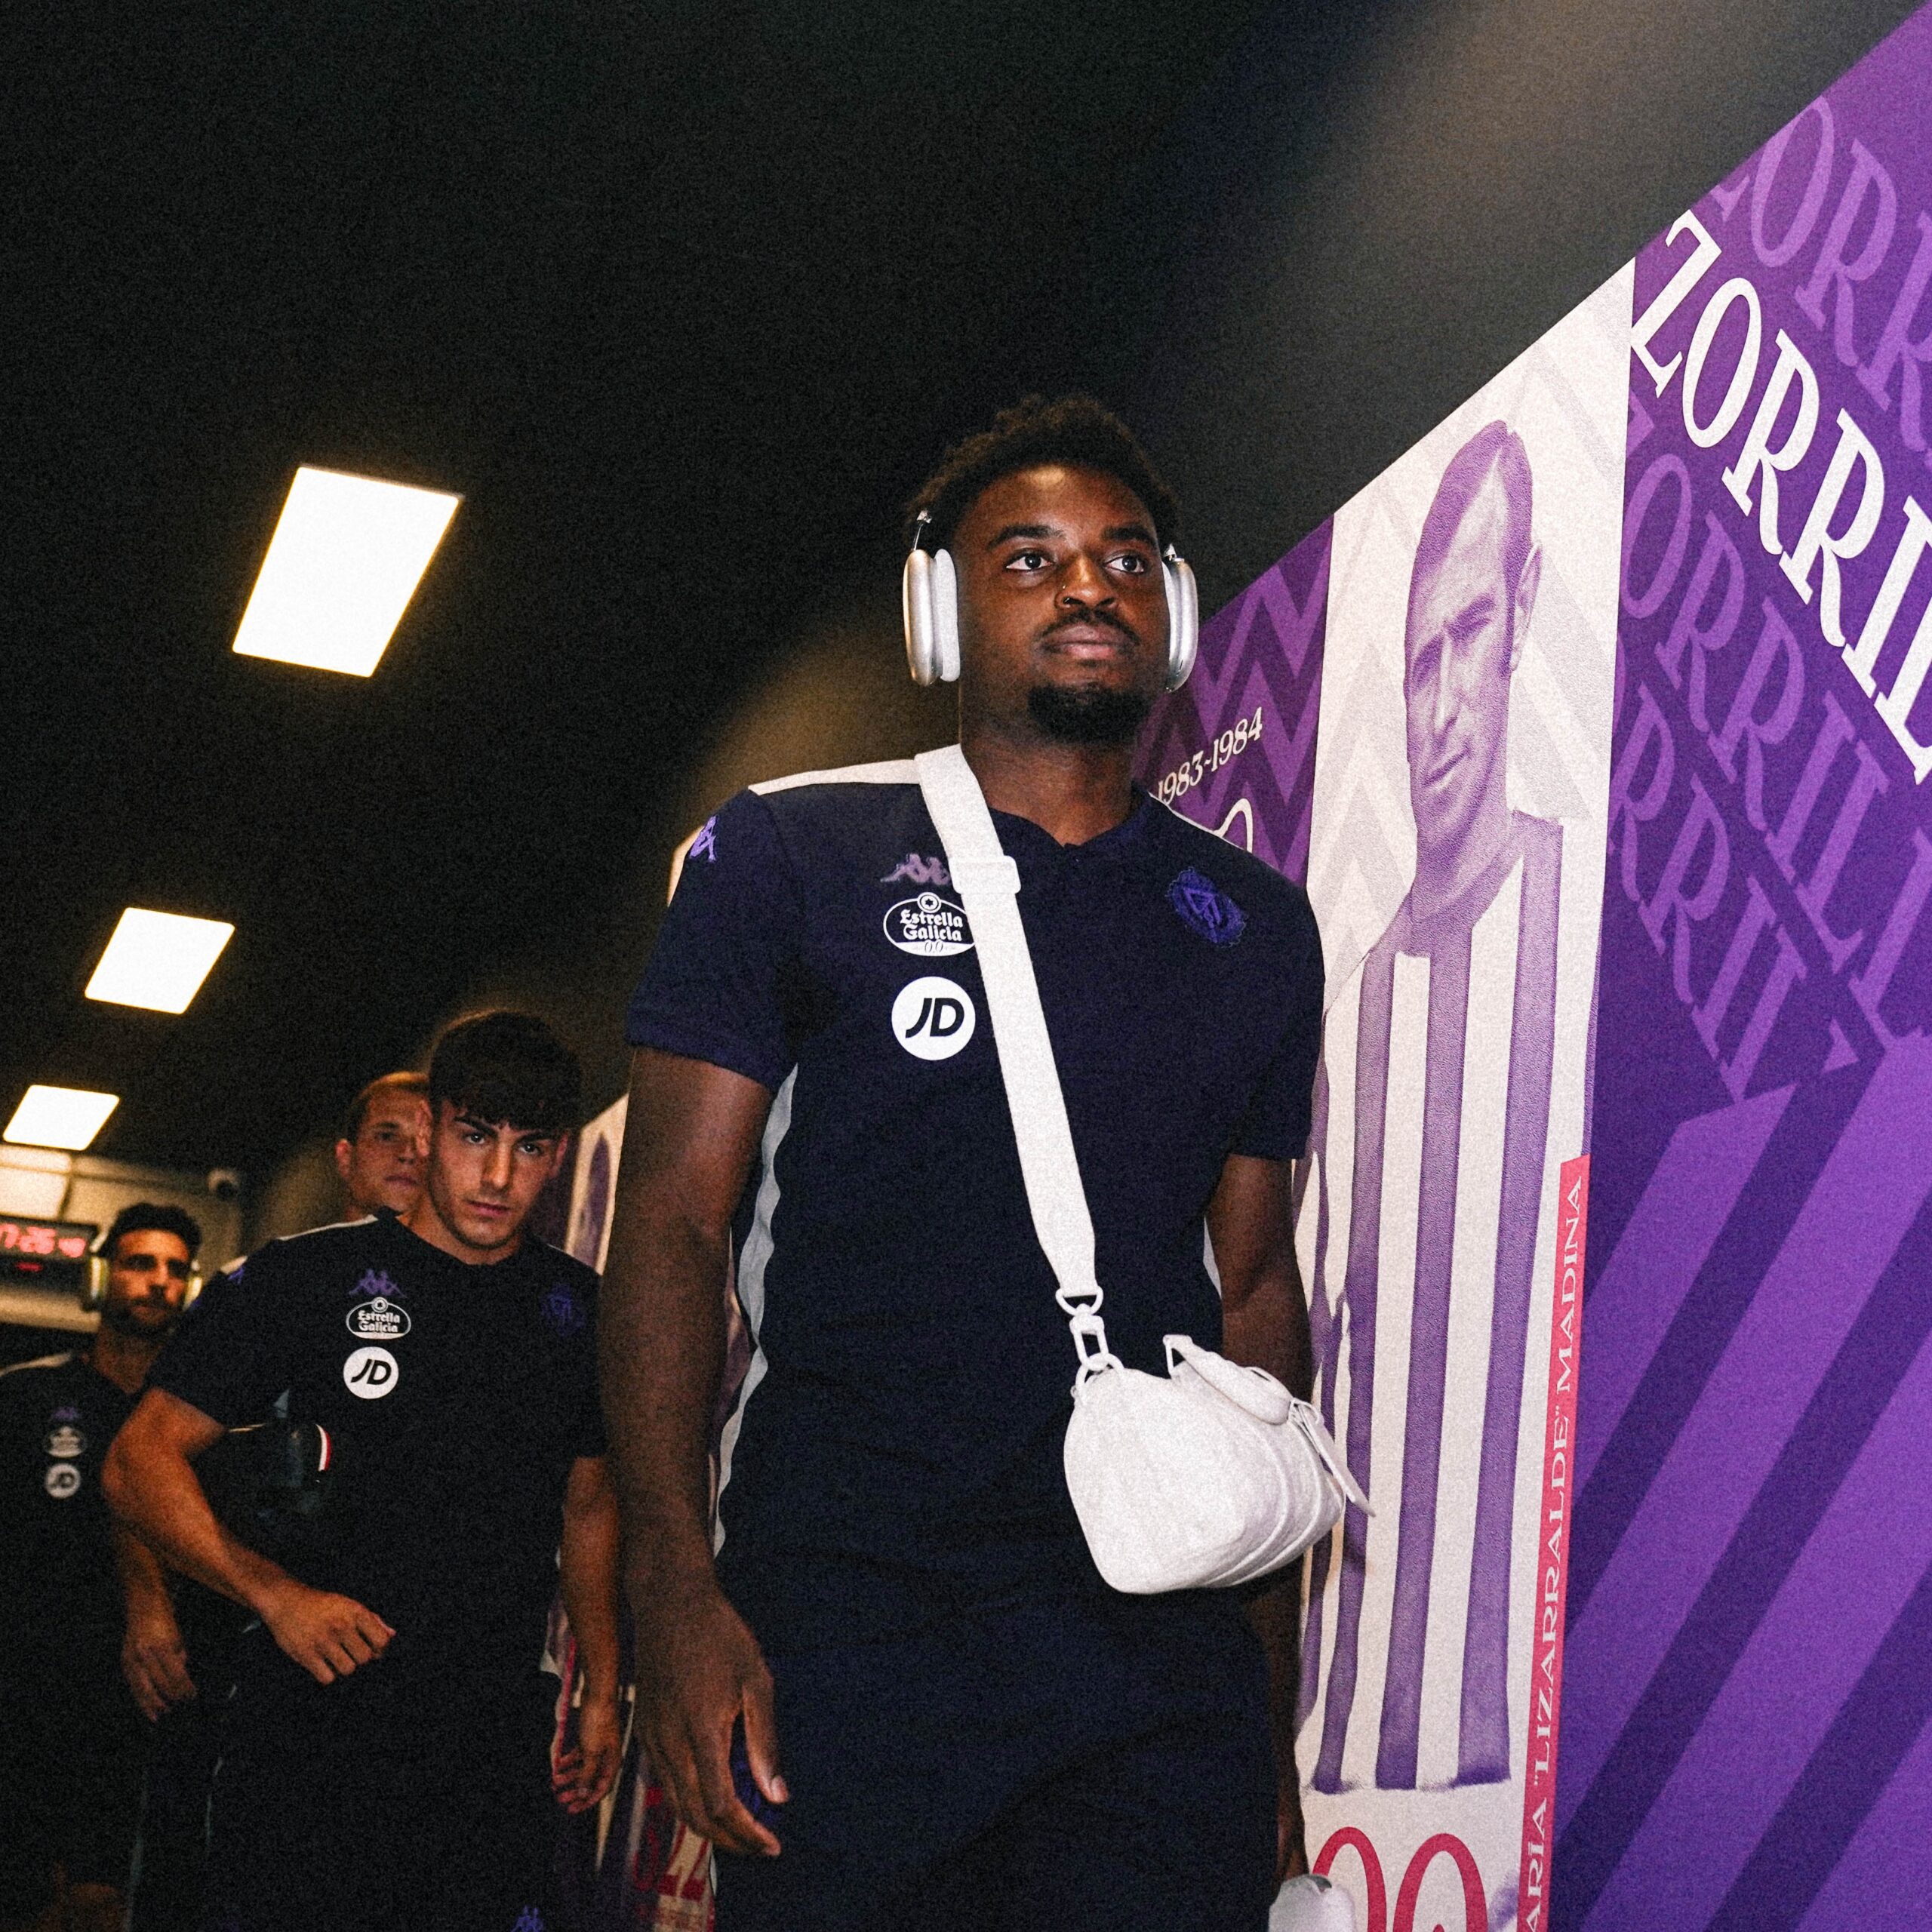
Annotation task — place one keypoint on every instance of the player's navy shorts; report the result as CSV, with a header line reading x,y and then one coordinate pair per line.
x,y
382,1803
1059,1766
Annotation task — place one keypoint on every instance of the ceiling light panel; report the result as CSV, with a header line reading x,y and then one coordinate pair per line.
x,y
347,557
66,1117
158,960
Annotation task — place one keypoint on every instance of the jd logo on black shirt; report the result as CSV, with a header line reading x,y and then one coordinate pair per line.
x,y
932,1018
370,1373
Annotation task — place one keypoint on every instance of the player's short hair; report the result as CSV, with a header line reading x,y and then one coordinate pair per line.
x,y
507,1067
1071,429
149,1216
358,1108
1495,449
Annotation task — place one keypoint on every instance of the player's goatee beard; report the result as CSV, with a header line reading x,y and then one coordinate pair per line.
x,y
125,1322
1088,717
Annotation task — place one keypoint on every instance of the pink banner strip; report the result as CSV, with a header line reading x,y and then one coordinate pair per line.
x,y
1553,1558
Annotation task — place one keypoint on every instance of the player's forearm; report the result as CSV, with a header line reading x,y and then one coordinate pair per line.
x,y
1265,1325
1274,1614
143,1581
589,1564
661,1352
157,1496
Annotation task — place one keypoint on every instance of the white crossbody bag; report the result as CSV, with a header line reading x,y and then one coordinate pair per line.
x,y
1211,1475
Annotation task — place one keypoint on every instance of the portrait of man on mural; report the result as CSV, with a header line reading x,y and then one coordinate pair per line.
x,y
1484,897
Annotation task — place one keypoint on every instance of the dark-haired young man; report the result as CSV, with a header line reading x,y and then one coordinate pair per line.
x,y
71,1741
386,1763
945,1718
385,1141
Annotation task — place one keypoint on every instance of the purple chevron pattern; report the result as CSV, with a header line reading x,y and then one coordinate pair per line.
x,y
1260,656
1744,1736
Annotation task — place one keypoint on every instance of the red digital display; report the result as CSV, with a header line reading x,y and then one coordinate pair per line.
x,y
31,1249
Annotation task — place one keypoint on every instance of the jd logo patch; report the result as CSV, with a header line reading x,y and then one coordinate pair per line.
x,y
378,1318
62,1479
928,925
933,1019
1206,908
65,1442
371,1373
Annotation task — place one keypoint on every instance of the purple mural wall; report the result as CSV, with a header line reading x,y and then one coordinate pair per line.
x,y
1694,930
1751,1573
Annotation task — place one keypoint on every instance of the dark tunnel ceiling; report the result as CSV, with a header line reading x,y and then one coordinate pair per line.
x,y
671,296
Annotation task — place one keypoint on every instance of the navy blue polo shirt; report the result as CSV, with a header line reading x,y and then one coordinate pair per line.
x,y
894,1457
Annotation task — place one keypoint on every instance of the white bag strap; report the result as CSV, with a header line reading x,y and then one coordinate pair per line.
x,y
988,883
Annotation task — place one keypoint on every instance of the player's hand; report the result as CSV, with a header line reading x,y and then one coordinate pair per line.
x,y
582,1775
155,1661
328,1635
700,1670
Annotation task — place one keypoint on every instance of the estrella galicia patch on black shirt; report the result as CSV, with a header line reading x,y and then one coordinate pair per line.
x,y
1206,908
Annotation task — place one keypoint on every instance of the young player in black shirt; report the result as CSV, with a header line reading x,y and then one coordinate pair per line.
x,y
385,1762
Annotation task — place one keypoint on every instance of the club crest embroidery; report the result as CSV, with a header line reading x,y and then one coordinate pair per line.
x,y
1205,908
64,1441
560,1310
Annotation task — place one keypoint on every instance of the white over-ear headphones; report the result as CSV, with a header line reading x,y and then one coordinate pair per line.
x,y
94,1279
929,594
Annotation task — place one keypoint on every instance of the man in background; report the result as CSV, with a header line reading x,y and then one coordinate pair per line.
x,y
179,1654
384,1764
71,1744
385,1142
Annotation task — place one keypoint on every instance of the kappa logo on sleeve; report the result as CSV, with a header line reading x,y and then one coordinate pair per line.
x,y
929,926
371,1374
933,1019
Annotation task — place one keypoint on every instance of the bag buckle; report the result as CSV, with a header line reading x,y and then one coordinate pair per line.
x,y
1084,1300
1090,1343
1090,1337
